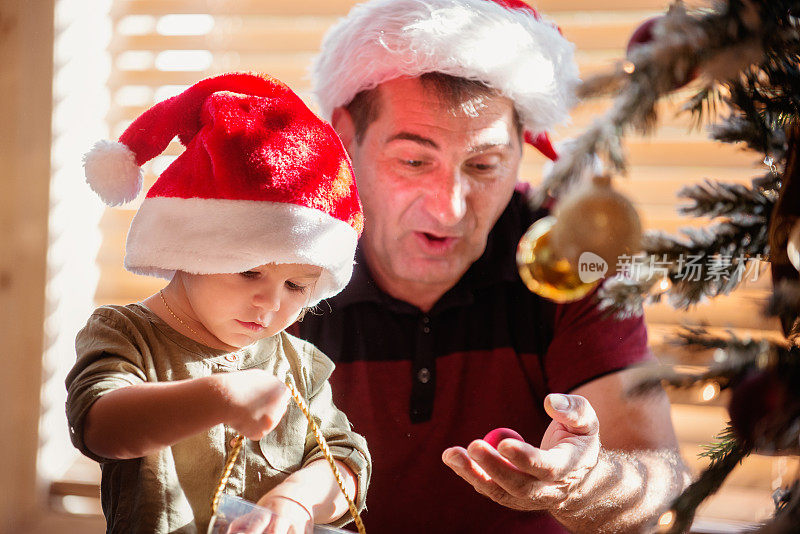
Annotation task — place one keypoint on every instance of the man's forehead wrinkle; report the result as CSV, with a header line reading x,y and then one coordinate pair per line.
x,y
477,138
418,114
495,139
408,136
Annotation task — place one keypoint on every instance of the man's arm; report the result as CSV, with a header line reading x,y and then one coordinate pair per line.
x,y
621,487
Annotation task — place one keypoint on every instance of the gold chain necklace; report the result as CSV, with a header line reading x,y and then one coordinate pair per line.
x,y
192,330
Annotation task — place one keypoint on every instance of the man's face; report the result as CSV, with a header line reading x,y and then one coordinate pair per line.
x,y
433,181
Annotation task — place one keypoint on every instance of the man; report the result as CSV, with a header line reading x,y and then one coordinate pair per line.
x,y
436,339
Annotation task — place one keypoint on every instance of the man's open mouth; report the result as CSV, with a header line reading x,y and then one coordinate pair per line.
x,y
435,243
436,238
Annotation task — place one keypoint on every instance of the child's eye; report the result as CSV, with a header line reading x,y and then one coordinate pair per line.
x,y
296,287
251,274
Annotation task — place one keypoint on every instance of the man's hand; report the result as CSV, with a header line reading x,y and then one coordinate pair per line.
x,y
520,476
588,490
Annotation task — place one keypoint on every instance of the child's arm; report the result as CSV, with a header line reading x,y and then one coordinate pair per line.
x,y
314,489
138,420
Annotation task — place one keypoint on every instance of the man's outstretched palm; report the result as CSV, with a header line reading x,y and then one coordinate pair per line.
x,y
520,476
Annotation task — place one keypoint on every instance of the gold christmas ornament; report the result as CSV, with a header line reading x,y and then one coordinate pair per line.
x,y
564,257
546,272
596,219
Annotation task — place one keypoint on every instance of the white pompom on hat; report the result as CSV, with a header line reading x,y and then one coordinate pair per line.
x,y
505,44
262,180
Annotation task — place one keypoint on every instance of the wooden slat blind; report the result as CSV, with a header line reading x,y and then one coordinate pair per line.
x,y
280,38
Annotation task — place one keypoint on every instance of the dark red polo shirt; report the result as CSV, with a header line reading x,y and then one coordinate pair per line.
x,y
485,356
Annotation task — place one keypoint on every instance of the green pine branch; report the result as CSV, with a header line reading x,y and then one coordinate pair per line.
x,y
706,484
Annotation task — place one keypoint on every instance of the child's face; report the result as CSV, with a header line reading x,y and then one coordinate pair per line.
x,y
239,309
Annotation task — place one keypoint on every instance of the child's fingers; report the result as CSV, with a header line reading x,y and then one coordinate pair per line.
x,y
262,426
275,408
289,516
255,435
277,394
281,525
252,523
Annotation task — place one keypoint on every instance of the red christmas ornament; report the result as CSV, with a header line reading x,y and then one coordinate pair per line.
x,y
497,435
754,401
642,35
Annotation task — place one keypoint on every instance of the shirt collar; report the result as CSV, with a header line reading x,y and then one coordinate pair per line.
x,y
362,287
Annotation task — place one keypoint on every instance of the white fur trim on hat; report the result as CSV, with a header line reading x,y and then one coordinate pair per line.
x,y
526,59
112,172
213,236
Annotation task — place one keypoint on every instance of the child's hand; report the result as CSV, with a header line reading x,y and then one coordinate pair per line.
x,y
289,517
253,523
255,401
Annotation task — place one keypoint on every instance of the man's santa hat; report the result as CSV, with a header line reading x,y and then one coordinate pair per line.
x,y
505,44
262,180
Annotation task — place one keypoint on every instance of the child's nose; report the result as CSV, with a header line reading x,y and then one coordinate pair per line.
x,y
267,298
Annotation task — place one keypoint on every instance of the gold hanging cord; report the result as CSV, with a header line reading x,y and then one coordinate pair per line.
x,y
323,445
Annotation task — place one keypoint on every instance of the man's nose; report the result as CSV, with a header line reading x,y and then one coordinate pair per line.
x,y
447,197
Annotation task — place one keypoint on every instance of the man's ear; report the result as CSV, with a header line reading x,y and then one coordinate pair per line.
x,y
343,124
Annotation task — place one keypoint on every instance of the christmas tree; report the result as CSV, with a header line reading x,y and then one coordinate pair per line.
x,y
743,58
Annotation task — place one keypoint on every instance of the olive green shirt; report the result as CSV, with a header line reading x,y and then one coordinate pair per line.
x,y
172,490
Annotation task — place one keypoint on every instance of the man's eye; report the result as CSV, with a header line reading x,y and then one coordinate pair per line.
x,y
482,166
415,163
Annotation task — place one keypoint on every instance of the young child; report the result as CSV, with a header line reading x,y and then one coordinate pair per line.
x,y
256,220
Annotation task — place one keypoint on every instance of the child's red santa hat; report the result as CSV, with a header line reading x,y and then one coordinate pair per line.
x,y
262,180
505,44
